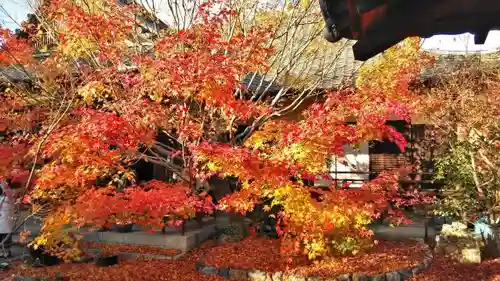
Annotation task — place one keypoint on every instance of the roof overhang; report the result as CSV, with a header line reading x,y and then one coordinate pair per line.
x,y
379,24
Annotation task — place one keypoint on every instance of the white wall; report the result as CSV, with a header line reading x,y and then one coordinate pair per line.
x,y
353,161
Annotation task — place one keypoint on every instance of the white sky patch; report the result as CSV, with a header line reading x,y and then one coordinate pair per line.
x,y
462,43
13,12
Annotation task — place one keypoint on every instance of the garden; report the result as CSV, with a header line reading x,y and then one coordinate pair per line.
x,y
193,151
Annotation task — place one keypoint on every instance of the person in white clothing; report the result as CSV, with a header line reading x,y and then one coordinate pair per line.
x,y
6,221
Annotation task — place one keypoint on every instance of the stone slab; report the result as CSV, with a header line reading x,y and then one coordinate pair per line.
x,y
402,232
209,270
405,273
361,277
224,272
277,276
170,240
393,276
236,274
344,277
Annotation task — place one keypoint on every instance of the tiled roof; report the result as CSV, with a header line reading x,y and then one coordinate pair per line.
x,y
448,63
330,70
255,82
14,74
337,67
304,59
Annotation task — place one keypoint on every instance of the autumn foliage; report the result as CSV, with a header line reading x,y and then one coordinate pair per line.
x,y
105,97
143,205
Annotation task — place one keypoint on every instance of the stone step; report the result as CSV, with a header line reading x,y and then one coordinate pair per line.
x,y
403,232
171,239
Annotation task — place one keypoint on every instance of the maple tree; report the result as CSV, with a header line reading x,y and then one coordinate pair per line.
x,y
102,97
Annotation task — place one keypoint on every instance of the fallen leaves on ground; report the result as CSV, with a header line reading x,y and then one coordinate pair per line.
x,y
123,248
445,269
250,253
264,254
127,270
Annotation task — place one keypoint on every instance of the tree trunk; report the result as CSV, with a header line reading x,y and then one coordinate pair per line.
x,y
159,172
219,187
496,238
239,221
492,242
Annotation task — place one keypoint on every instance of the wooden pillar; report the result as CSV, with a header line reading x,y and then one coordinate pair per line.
x,y
159,172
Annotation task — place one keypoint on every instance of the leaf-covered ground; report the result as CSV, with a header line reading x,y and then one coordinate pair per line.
x,y
444,269
123,248
127,270
380,259
264,254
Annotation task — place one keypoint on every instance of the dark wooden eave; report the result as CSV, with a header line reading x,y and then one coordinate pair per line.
x,y
379,24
